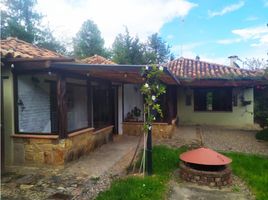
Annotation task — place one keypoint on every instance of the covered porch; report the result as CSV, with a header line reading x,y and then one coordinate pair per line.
x,y
64,110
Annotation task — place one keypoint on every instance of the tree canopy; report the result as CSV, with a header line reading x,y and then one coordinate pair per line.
x,y
88,41
157,50
127,49
20,19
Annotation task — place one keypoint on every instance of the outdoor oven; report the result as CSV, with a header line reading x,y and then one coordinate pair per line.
x,y
205,167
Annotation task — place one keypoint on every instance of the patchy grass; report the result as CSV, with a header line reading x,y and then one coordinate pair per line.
x,y
253,170
165,160
262,135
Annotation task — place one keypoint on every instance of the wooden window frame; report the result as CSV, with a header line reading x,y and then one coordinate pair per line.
x,y
214,91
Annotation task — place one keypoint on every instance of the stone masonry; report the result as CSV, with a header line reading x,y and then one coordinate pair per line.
x,y
40,150
209,178
159,131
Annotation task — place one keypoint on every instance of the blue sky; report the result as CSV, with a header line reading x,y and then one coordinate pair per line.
x,y
212,29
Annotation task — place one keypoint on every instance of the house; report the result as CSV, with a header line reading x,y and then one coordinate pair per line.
x,y
215,94
55,109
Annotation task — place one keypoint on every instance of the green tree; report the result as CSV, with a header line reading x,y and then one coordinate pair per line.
x,y
88,41
127,49
157,50
45,39
19,19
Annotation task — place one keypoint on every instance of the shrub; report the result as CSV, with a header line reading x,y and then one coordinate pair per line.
x,y
262,135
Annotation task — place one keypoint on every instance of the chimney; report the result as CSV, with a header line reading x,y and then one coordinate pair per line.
x,y
233,60
197,58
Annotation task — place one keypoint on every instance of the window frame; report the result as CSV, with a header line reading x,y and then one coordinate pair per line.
x,y
213,90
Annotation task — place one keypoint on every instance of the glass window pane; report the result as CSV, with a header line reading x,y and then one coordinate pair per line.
x,y
33,104
77,112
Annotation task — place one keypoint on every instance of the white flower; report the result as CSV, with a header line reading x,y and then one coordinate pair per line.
x,y
150,127
161,68
154,118
146,85
157,87
146,67
153,97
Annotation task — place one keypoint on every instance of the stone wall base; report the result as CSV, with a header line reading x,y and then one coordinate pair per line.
x,y
50,150
159,130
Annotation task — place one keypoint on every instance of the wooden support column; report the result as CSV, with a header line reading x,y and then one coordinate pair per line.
x,y
62,106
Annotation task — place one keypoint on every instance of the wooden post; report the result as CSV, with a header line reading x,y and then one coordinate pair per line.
x,y
149,157
62,106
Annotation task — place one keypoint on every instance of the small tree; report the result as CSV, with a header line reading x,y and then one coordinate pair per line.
x,y
152,89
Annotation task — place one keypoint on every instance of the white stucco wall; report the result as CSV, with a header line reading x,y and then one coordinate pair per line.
x,y
132,98
240,117
120,110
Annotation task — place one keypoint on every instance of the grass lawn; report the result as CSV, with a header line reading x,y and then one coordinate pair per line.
x,y
262,135
253,169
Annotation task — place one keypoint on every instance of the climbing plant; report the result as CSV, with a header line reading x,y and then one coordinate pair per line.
x,y
152,89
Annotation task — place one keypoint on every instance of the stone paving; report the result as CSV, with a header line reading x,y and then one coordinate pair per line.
x,y
217,138
82,179
187,191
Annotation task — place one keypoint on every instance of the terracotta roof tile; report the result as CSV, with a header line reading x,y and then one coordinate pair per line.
x,y
15,48
185,68
96,59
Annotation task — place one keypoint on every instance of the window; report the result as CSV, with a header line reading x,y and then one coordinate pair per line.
x,y
33,104
213,99
76,98
103,106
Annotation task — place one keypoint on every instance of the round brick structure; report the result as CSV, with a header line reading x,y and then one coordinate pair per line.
x,y
202,177
205,167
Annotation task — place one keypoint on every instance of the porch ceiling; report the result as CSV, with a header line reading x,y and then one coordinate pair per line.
x,y
117,73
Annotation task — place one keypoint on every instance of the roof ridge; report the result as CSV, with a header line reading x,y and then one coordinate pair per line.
x,y
34,45
26,49
188,68
212,63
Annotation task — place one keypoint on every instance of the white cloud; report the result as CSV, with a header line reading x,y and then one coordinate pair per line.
x,y
186,50
190,51
141,17
258,34
227,9
229,41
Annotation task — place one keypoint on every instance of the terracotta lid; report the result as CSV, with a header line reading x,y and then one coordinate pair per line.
x,y
205,156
